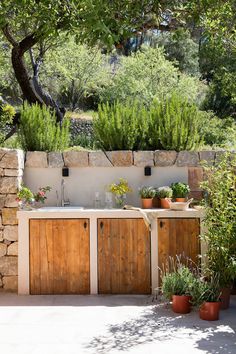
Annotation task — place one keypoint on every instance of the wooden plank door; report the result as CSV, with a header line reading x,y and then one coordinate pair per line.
x,y
178,237
123,257
59,256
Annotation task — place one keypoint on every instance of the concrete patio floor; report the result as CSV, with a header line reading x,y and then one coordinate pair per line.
x,y
108,325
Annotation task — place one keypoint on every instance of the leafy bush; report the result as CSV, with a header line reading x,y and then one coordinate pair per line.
x,y
7,113
83,140
180,190
175,124
205,290
39,130
147,192
121,126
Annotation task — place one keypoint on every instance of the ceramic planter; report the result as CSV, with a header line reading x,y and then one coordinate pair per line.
x,y
165,203
181,303
180,200
209,311
146,203
225,298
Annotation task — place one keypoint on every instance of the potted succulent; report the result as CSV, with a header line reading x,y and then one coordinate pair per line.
x,y
219,222
180,191
28,200
176,286
164,194
147,194
119,190
206,295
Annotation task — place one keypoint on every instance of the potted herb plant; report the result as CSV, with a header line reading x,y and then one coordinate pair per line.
x,y
176,285
164,194
219,222
28,200
147,194
119,190
206,295
180,191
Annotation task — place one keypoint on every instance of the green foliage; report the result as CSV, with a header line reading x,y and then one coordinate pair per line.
x,y
84,141
178,282
180,190
7,113
120,188
147,192
176,124
121,126
147,75
39,130
205,290
220,219
164,192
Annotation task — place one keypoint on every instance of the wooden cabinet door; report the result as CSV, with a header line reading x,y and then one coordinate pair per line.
x,y
178,237
59,256
123,257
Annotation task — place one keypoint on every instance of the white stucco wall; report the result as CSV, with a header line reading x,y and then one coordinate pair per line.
x,y
82,183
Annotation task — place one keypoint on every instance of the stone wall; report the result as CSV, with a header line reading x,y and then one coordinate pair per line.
x,y
11,171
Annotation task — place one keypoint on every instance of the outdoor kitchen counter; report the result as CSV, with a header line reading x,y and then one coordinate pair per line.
x,y
96,226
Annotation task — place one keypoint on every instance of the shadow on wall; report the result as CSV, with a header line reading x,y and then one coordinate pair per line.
x,y
159,325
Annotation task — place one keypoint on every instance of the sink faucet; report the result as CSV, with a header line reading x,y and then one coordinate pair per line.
x,y
63,201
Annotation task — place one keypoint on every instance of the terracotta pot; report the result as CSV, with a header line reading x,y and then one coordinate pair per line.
x,y
180,200
225,298
181,303
146,203
165,203
209,311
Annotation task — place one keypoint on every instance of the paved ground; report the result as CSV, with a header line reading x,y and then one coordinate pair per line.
x,y
108,324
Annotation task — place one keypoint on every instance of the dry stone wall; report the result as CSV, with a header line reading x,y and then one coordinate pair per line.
x,y
11,172
12,164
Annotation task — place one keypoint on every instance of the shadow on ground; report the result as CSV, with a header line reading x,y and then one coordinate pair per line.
x,y
157,323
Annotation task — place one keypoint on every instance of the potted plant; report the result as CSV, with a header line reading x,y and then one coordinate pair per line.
x,y
176,285
119,190
28,200
147,194
206,295
164,194
180,191
219,222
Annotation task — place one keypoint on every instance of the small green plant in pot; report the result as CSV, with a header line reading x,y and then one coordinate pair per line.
x,y
176,286
164,194
147,194
119,190
28,200
180,191
206,295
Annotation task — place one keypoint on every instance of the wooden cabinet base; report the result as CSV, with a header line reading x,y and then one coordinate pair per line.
x,y
59,256
124,257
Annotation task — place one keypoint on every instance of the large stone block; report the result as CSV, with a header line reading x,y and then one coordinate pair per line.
x,y
10,233
164,158
55,160
10,283
8,265
12,249
75,158
12,159
98,159
187,158
12,172
9,184
10,201
1,235
195,177
3,249
1,172
9,216
120,158
208,157
2,200
143,158
36,159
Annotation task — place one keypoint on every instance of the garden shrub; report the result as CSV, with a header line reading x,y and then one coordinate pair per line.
x,y
121,126
39,130
7,113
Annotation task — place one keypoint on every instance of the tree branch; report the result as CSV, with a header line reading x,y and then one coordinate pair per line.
x,y
9,36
